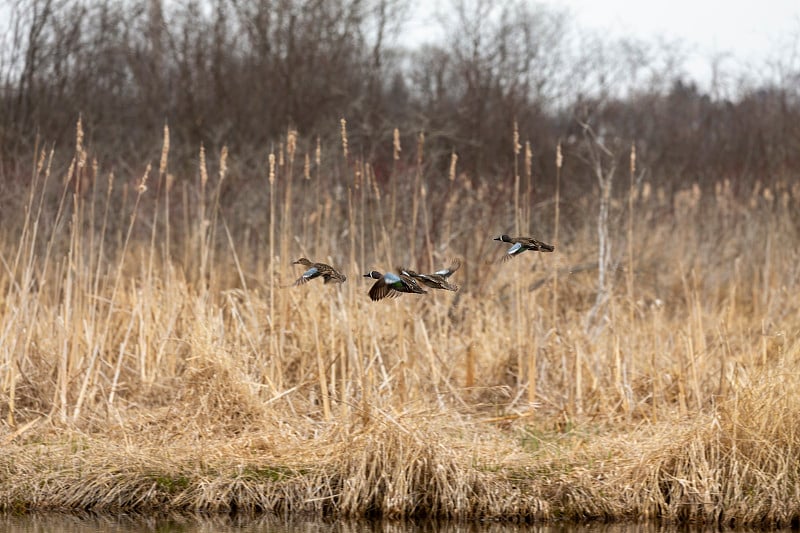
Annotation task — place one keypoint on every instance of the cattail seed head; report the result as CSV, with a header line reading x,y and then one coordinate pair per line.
x,y
162,167
559,158
271,169
79,150
223,162
291,144
453,161
528,159
141,188
633,158
307,167
343,122
203,169
49,162
420,147
79,135
375,189
42,158
517,146
280,155
70,172
318,153
396,144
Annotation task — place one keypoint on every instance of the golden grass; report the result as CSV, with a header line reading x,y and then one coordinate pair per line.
x,y
153,359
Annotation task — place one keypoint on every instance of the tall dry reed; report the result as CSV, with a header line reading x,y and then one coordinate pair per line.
x,y
135,376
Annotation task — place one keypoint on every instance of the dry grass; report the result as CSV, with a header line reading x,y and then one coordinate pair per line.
x,y
153,359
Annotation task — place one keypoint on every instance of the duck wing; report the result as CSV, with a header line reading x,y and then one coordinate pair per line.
x,y
307,276
380,290
447,272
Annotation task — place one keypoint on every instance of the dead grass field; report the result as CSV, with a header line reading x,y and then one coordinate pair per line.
x,y
152,357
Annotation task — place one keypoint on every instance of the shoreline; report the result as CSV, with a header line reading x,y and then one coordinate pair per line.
x,y
413,466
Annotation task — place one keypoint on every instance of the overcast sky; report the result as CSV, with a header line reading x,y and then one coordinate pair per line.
x,y
749,34
753,32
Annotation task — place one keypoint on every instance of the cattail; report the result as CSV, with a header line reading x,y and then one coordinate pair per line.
x,y
343,122
110,182
453,160
223,163
633,158
42,159
70,172
49,161
291,144
559,158
318,153
203,169
79,151
528,159
517,146
376,189
271,169
280,155
142,187
646,190
79,135
420,147
307,167
396,144
162,167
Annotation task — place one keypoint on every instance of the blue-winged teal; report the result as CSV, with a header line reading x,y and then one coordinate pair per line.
x,y
316,270
522,244
392,285
437,280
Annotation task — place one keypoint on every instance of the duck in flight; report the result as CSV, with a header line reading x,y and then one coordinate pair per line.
x,y
523,244
391,285
437,280
316,270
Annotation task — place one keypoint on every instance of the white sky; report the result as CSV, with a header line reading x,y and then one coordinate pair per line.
x,y
753,32
749,34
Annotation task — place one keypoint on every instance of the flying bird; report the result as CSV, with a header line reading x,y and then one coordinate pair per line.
x,y
522,244
437,280
391,285
316,270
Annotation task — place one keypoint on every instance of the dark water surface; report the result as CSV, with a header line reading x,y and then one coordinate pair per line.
x,y
67,523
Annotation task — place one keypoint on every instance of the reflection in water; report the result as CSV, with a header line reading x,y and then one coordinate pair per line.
x,y
69,523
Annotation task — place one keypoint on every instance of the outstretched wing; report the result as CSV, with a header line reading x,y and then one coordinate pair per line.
x,y
381,290
307,276
511,252
447,272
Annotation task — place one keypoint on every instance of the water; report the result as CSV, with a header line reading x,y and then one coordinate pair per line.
x,y
68,523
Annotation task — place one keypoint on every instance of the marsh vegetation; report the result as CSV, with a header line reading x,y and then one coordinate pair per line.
x,y
154,355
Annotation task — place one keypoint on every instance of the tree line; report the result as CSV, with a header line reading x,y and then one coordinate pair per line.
x,y
240,72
